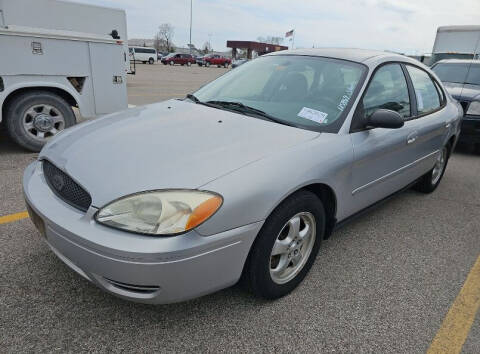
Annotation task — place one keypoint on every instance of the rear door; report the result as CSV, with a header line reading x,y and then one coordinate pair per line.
x,y
381,156
430,123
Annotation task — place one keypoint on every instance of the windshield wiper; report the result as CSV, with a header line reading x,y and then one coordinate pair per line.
x,y
193,98
241,108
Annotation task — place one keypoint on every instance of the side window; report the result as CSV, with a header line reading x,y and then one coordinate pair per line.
x,y
425,91
388,90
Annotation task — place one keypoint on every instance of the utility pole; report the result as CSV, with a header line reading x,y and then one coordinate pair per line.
x,y
191,13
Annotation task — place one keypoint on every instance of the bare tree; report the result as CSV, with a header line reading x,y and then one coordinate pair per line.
x,y
164,36
207,47
271,40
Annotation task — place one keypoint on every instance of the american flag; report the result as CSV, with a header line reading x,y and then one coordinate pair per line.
x,y
289,33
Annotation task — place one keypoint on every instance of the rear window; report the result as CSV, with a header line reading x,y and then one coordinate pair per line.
x,y
428,98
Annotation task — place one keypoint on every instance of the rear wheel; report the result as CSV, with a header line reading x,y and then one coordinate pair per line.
x,y
207,64
286,247
35,117
225,65
151,61
172,63
430,181
189,64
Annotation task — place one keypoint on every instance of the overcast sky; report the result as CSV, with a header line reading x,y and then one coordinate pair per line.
x,y
406,26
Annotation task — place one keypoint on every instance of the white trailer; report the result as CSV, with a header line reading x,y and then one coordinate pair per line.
x,y
456,42
47,68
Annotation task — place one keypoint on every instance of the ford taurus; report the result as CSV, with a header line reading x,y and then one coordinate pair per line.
x,y
242,179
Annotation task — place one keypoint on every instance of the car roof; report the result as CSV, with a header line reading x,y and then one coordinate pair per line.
x,y
458,61
351,54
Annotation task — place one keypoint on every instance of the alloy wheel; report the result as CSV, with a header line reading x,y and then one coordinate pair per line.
x,y
292,247
439,166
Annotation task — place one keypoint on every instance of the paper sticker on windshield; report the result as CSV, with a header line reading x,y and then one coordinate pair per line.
x,y
313,115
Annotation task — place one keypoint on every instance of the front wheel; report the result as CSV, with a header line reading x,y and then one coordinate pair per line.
x,y
207,64
430,181
35,117
151,61
225,65
189,64
172,63
286,246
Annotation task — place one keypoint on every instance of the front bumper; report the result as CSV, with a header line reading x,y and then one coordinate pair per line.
x,y
470,130
139,268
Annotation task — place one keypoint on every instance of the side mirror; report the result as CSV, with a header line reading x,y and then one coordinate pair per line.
x,y
385,118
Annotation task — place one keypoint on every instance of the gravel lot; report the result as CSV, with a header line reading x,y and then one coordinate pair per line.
x,y
380,284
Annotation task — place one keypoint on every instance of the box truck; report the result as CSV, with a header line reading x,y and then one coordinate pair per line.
x,y
56,55
456,42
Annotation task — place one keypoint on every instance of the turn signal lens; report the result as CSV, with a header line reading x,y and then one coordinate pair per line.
x,y
203,212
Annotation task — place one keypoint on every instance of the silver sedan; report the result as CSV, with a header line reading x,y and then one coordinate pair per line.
x,y
242,179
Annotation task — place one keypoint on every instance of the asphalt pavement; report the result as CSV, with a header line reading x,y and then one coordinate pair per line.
x,y
382,283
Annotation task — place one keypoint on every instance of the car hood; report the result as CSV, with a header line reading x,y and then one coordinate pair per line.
x,y
173,144
464,92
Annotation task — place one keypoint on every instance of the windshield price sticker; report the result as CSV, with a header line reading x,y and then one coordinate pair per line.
x,y
313,115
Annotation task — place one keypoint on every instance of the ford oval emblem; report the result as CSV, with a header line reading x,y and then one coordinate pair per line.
x,y
58,182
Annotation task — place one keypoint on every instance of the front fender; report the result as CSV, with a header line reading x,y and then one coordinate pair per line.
x,y
252,192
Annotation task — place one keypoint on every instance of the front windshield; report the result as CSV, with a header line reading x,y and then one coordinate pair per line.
x,y
303,91
462,73
456,73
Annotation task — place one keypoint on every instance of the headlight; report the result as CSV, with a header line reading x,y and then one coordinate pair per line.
x,y
474,108
166,212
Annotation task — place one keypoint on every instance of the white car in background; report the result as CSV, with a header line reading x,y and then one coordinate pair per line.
x,y
143,54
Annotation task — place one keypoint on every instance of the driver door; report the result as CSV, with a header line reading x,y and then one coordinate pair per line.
x,y
381,156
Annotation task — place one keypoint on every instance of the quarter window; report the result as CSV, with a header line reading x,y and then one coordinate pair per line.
x,y
425,91
387,90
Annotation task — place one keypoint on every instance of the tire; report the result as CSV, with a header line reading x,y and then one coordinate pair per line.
x,y
225,65
199,64
430,181
17,118
189,64
164,62
207,64
257,275
151,61
172,63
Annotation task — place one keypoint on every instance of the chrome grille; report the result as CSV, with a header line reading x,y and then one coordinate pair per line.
x,y
65,187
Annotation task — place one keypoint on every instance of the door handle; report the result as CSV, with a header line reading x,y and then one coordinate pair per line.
x,y
411,138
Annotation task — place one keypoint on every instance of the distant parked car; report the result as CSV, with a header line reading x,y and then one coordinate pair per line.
x,y
176,58
214,59
144,54
160,55
461,78
238,62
